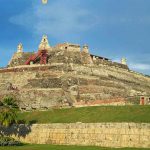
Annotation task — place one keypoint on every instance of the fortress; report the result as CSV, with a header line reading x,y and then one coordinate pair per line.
x,y
68,75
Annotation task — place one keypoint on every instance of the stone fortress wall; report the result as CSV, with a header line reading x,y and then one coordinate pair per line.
x,y
63,53
74,77
69,55
60,85
70,78
87,134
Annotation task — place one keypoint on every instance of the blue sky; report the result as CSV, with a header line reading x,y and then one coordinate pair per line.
x,y
111,28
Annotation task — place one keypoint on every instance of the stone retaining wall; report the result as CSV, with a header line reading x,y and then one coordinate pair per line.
x,y
96,134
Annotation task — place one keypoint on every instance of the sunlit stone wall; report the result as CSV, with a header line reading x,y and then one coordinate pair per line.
x,y
96,134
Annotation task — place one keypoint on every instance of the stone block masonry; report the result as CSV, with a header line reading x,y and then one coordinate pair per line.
x,y
89,134
62,85
67,75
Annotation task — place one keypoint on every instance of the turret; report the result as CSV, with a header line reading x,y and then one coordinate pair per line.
x,y
124,61
85,48
44,45
20,48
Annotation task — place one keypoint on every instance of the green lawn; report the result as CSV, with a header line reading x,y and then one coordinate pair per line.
x,y
89,115
54,147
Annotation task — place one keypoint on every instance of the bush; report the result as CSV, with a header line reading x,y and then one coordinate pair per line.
x,y
10,101
8,141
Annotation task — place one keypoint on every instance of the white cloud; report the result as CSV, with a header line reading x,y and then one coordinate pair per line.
x,y
138,66
57,19
61,18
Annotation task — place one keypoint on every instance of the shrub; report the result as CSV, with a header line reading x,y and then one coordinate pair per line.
x,y
8,141
9,101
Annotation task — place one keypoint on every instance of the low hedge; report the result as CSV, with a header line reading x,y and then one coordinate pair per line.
x,y
8,141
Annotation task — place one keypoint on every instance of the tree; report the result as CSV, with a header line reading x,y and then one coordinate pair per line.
x,y
8,116
8,110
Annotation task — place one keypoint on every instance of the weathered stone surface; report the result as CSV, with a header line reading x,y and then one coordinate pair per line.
x,y
58,85
70,77
19,59
96,134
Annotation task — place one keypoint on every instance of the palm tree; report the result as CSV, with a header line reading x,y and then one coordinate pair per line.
x,y
8,116
8,109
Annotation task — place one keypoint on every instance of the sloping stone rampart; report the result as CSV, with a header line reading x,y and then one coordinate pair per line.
x,y
37,86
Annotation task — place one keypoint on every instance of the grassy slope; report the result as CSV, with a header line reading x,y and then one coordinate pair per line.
x,y
90,114
54,147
